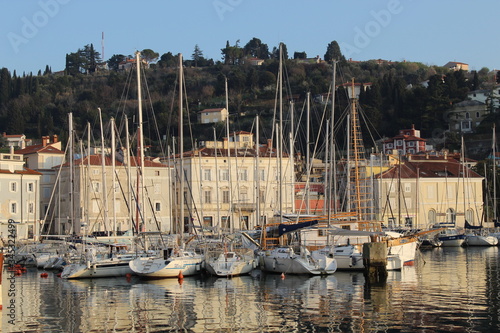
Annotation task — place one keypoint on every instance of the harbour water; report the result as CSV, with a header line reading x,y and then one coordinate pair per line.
x,y
447,290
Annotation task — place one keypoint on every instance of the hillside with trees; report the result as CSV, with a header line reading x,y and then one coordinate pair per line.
x,y
400,93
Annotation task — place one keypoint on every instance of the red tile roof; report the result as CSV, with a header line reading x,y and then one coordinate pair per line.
x,y
48,149
429,169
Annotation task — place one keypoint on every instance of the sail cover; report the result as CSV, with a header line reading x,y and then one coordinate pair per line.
x,y
286,228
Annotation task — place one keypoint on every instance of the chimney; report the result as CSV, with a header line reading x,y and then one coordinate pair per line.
x,y
55,138
45,141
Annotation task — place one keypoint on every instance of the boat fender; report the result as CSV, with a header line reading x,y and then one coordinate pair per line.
x,y
88,264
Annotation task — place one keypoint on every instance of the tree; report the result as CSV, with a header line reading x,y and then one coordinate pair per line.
x,y
91,58
232,54
255,48
115,60
5,86
275,54
299,55
168,60
197,55
333,53
149,55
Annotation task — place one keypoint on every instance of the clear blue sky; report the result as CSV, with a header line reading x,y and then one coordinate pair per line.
x,y
39,33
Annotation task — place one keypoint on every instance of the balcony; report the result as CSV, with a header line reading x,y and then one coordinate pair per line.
x,y
244,206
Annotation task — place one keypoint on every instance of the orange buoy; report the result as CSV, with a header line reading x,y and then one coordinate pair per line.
x,y
44,275
180,276
282,276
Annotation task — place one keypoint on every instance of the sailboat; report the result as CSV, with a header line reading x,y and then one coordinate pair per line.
x,y
173,261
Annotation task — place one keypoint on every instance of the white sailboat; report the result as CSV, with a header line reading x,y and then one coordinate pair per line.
x,y
174,261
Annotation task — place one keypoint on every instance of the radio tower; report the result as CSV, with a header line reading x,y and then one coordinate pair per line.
x,y
102,45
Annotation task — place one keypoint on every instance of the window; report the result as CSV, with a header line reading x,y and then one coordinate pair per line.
x,y
243,174
467,115
450,216
157,206
431,216
207,174
389,145
262,196
157,173
244,222
226,222
96,187
13,186
399,142
225,196
262,174
224,175
31,208
407,187
95,171
13,207
208,196
411,144
243,195
207,221
30,187
46,192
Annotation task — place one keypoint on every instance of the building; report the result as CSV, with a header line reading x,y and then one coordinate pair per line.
x,y
254,61
457,66
427,190
408,141
466,116
42,158
487,96
15,140
213,115
229,181
103,203
19,197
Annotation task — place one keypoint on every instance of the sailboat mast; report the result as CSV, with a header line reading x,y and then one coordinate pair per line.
x,y
71,172
279,134
494,175
103,168
140,137
181,148
113,172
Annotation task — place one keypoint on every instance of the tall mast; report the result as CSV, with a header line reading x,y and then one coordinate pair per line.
x,y
494,175
332,189
257,170
279,133
103,168
140,138
308,158
181,148
113,172
71,172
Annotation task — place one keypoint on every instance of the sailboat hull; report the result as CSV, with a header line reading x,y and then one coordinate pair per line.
x,y
166,268
283,260
105,268
477,240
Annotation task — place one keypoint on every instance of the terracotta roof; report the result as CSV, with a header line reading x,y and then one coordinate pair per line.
x,y
96,160
428,169
25,171
405,137
212,110
48,149
242,152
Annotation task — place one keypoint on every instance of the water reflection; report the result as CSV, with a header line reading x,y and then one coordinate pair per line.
x,y
449,289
